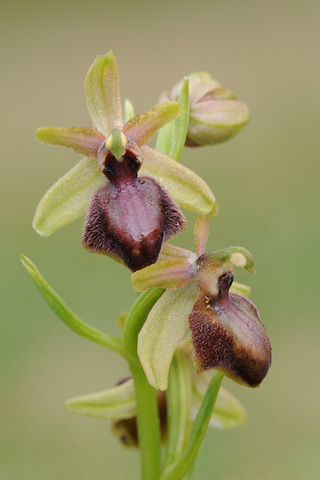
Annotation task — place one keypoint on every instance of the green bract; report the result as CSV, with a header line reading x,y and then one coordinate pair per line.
x,y
69,197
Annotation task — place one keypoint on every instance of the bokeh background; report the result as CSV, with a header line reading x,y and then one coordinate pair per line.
x,y
266,181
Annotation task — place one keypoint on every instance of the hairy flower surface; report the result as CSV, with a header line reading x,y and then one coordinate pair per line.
x,y
226,330
216,115
129,216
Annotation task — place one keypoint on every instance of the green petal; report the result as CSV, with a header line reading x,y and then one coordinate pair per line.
x,y
116,402
69,198
142,127
173,273
189,190
165,327
82,140
103,94
228,411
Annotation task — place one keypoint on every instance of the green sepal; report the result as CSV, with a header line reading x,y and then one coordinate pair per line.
x,y
116,402
86,141
103,94
165,327
142,127
187,188
69,198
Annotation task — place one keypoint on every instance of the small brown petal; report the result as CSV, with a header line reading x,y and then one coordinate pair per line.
x,y
227,334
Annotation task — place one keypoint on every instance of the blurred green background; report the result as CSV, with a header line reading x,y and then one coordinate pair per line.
x,y
266,181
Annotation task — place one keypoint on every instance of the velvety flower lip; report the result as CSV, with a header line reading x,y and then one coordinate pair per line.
x,y
131,216
108,193
226,330
227,334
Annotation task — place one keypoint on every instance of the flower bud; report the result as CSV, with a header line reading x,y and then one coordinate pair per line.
x,y
216,114
227,335
126,428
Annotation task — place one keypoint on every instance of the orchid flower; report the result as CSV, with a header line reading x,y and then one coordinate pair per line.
x,y
226,330
129,216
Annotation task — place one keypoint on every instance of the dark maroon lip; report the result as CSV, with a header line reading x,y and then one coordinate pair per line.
x,y
227,334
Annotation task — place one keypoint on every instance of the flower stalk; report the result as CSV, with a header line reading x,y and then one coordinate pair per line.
x,y
190,324
146,397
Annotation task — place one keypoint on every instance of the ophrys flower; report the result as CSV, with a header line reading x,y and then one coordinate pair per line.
x,y
129,216
226,330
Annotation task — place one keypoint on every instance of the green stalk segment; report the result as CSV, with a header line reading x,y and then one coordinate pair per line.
x,y
180,468
179,408
146,396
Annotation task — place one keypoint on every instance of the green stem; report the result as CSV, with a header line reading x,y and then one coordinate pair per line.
x,y
148,424
146,396
137,316
180,468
